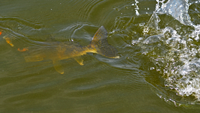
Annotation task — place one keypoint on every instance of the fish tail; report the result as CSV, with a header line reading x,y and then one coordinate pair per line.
x,y
100,44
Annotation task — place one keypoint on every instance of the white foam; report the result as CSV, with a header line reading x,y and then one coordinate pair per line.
x,y
174,54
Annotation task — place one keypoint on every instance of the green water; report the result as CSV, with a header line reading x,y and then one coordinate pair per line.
x,y
101,85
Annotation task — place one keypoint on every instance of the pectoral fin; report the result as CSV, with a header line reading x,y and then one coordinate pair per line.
x,y
58,67
79,60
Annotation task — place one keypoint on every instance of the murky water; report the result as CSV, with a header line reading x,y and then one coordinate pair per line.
x,y
157,41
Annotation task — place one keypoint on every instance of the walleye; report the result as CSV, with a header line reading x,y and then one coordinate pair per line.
x,y
57,51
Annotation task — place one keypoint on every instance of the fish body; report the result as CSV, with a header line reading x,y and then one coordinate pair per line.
x,y
57,51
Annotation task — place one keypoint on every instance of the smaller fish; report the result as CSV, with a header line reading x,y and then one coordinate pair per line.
x,y
22,50
0,32
9,41
57,51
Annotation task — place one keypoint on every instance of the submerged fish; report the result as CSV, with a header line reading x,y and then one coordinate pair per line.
x,y
57,51
8,40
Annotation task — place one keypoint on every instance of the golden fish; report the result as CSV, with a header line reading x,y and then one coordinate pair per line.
x,y
8,40
57,51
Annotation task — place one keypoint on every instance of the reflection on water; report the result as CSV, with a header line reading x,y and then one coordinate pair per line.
x,y
158,48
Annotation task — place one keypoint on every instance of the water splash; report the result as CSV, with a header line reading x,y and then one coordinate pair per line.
x,y
177,9
136,8
175,54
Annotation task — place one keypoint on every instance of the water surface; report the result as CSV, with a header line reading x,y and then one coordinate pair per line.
x,y
157,41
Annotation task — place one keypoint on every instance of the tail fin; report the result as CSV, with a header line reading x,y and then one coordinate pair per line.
x,y
100,43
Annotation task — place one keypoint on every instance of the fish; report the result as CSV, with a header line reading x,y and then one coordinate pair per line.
x,y
57,51
8,41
